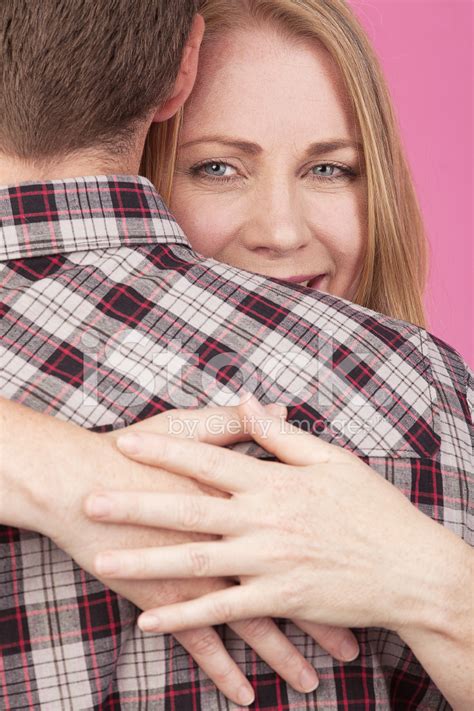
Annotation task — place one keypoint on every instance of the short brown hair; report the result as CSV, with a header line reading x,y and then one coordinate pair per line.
x,y
78,74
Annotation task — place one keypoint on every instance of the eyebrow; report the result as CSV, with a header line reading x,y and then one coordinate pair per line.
x,y
316,148
334,145
244,146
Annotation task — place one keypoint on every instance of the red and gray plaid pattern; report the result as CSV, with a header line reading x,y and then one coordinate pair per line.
x,y
109,317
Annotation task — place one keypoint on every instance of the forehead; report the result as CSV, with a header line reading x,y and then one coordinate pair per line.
x,y
256,83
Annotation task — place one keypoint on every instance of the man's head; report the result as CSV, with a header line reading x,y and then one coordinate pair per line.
x,y
82,76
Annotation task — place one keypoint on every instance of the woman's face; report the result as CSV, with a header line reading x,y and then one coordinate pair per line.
x,y
268,176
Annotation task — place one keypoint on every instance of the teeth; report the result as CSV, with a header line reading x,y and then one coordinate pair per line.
x,y
313,279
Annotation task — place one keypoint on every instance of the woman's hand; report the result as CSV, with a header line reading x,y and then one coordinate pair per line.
x,y
49,467
224,426
321,537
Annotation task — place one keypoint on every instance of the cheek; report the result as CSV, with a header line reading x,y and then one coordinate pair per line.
x,y
209,223
340,223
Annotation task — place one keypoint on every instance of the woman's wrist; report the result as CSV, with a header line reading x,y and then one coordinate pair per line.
x,y
25,477
38,454
438,593
442,637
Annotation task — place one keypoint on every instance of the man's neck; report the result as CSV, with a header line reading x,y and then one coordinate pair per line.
x,y
81,164
14,171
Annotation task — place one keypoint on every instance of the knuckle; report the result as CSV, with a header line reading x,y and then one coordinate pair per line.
x,y
256,627
189,513
207,650
210,465
289,657
203,643
224,673
222,611
329,637
198,562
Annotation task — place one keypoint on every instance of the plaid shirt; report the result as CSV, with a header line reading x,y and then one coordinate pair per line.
x,y
110,317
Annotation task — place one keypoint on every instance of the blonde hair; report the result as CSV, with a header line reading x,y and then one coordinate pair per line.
x,y
394,272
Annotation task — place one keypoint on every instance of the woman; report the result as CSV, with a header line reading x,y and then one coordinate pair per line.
x,y
289,164
351,232
332,85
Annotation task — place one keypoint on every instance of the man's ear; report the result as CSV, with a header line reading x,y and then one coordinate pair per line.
x,y
186,75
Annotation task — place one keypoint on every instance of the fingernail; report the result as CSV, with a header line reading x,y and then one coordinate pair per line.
x,y
149,623
98,506
309,680
245,696
349,650
106,564
129,443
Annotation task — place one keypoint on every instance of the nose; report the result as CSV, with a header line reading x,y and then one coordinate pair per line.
x,y
276,226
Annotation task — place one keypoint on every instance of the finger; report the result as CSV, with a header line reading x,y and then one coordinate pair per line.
x,y
221,468
339,642
203,514
287,442
214,425
209,653
274,647
224,606
187,560
224,426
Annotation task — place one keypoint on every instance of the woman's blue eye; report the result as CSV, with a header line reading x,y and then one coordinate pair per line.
x,y
324,168
215,168
331,172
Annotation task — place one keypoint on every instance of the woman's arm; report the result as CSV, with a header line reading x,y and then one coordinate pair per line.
x,y
47,467
296,532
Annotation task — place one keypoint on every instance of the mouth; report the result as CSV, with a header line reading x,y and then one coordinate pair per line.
x,y
311,281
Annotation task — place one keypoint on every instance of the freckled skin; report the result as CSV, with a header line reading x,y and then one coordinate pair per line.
x,y
272,209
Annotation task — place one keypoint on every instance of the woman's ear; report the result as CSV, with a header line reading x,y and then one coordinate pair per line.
x,y
186,75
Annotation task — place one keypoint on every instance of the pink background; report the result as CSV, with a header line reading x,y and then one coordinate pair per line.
x,y
425,50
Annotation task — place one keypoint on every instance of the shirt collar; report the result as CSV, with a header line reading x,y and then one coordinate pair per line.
x,y
86,213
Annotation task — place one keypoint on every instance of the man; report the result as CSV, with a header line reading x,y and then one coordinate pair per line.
x,y
87,341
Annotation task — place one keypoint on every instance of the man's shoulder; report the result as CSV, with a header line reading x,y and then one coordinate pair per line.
x,y
177,276
446,358
351,326
452,375
446,361
254,316
300,298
